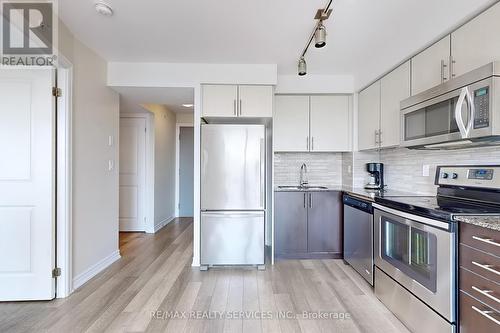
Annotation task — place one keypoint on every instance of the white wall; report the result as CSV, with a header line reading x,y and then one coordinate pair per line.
x,y
164,166
315,84
184,118
95,189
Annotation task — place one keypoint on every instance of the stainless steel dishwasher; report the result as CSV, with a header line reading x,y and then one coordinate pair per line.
x,y
358,236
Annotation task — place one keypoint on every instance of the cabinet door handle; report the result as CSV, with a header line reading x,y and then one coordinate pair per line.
x,y
307,143
486,267
486,314
312,143
310,200
241,112
486,293
234,108
486,240
443,71
452,67
305,199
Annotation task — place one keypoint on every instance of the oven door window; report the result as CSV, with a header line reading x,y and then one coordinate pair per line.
x,y
395,243
423,258
411,250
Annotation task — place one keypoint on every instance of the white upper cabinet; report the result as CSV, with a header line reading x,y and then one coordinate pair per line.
x,y
219,100
291,123
255,101
431,67
237,101
330,124
394,88
369,117
476,43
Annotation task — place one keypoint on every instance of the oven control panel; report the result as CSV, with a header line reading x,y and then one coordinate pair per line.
x,y
483,176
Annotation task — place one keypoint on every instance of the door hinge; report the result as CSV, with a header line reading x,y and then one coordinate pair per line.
x,y
56,272
56,92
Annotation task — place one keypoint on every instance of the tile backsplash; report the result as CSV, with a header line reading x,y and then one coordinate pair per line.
x,y
322,168
404,167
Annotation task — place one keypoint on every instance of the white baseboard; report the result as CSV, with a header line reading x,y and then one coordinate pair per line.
x,y
82,278
163,223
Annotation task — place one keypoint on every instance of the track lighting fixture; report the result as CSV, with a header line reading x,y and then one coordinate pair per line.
x,y
302,66
319,35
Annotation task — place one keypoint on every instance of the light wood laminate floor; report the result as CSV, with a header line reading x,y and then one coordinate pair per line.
x,y
155,276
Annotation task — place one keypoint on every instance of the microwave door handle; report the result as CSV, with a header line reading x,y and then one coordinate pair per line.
x,y
458,113
472,111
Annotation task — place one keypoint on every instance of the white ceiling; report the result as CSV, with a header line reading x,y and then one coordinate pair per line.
x,y
131,98
365,37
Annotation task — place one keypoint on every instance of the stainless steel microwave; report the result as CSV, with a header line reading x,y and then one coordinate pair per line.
x,y
461,113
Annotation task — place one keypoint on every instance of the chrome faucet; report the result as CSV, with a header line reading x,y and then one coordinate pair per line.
x,y
303,175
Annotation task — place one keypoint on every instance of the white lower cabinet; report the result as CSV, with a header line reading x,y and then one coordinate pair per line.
x,y
312,123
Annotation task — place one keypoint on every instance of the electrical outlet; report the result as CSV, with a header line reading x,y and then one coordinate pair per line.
x,y
426,170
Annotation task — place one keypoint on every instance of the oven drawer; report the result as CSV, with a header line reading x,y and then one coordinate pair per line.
x,y
484,290
476,317
480,238
481,263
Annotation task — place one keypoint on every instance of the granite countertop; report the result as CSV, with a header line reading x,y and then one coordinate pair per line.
x,y
490,222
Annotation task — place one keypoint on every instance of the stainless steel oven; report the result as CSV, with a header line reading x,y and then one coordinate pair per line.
x,y
417,253
462,112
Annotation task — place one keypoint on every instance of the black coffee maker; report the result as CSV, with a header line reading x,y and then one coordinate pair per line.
x,y
376,176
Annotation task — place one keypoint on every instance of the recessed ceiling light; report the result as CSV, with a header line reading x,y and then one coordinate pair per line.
x,y
187,105
103,8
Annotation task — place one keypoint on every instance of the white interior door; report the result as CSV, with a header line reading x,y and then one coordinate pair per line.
x,y
132,174
27,183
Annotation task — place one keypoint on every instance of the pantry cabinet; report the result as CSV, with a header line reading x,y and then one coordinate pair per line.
x,y
312,123
233,101
476,43
431,66
369,117
394,88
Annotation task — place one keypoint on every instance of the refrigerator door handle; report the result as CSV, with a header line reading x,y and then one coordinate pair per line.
x,y
262,170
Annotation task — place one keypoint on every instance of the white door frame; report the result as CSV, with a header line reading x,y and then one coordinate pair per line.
x,y
149,200
177,163
64,197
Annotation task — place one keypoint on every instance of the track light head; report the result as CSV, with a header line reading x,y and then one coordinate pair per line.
x,y
320,36
302,67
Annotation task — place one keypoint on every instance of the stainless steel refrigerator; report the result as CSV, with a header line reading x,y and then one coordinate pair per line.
x,y
232,194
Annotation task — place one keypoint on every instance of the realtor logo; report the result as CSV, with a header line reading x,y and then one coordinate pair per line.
x,y
28,32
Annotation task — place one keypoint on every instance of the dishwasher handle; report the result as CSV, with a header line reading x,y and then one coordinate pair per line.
x,y
358,204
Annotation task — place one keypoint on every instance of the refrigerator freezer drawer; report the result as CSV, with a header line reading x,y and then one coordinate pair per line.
x,y
232,238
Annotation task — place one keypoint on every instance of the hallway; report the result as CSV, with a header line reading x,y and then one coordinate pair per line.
x,y
154,279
